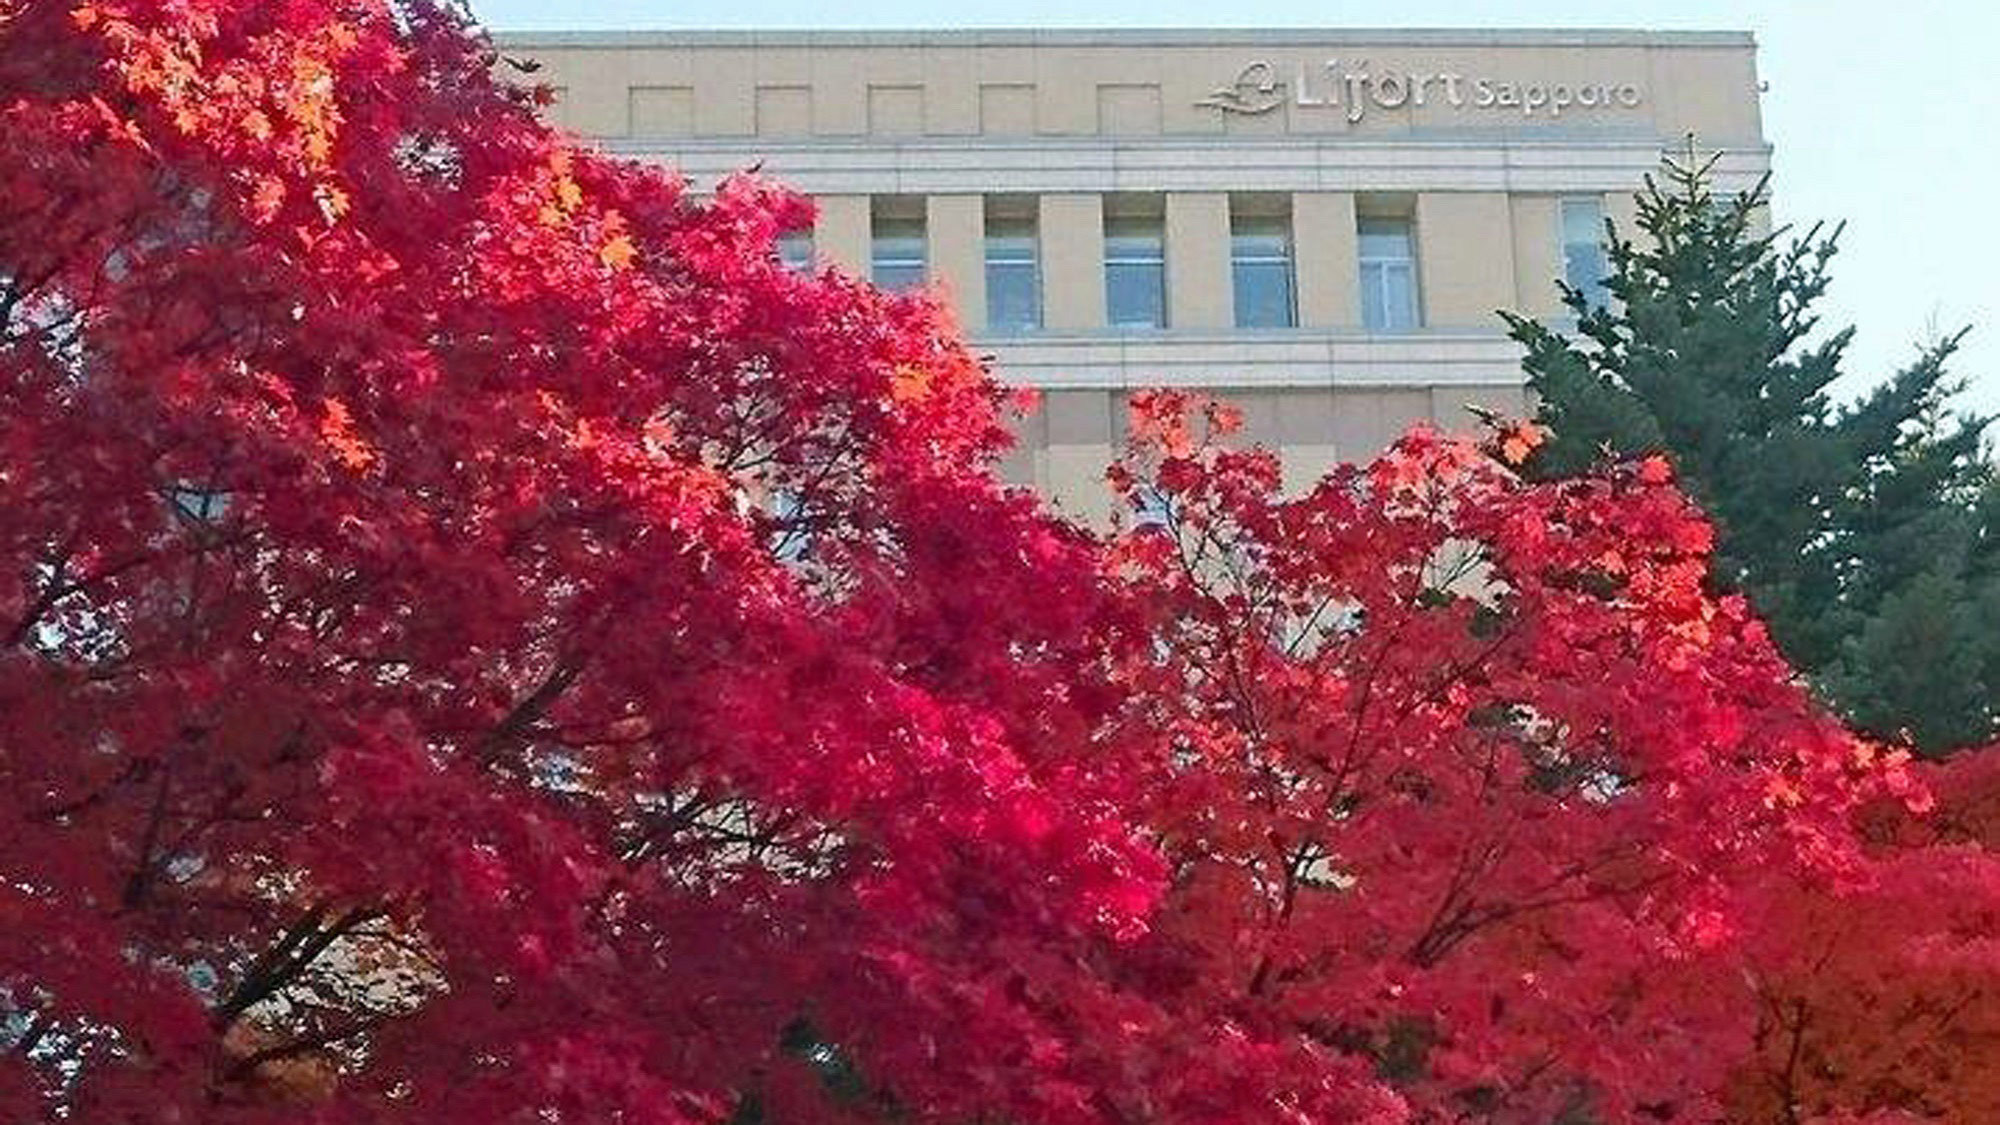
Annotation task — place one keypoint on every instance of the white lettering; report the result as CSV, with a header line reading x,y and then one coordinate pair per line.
x,y
1386,82
1257,89
1302,89
1354,84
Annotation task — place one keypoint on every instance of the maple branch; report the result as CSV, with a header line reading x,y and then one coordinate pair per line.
x,y
1787,1080
136,769
141,880
54,590
282,963
1295,859
508,733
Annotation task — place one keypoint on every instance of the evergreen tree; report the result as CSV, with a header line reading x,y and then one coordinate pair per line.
x,y
1865,533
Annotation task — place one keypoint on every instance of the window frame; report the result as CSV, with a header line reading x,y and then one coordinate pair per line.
x,y
1155,228
914,231
1363,260
1026,233
1277,224
1563,244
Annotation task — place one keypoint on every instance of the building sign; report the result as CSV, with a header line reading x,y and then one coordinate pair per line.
x,y
1354,90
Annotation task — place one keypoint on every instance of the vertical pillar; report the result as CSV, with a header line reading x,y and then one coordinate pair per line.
x,y
955,228
1072,234
1305,437
1622,208
1465,258
844,233
1199,289
1079,450
1324,242
1538,261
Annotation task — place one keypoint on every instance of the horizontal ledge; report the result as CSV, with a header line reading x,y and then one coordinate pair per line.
x,y
1109,147
1307,358
1324,166
1244,338
1126,37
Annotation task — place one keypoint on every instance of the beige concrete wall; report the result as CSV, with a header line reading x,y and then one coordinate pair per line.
x,y
1136,83
1465,258
1066,444
1622,208
843,233
1323,234
1072,234
1366,422
1199,294
1026,464
1537,255
1081,436
955,228
1452,408
659,111
784,111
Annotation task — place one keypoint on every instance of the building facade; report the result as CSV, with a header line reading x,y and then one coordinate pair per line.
x,y
1318,225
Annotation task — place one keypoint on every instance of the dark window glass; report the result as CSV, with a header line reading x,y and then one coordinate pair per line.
x,y
898,261
1388,275
1585,263
1135,273
1260,266
1013,276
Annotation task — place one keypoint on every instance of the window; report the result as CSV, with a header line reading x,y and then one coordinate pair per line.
x,y
795,250
1260,267
1135,271
1388,275
897,261
1013,273
1585,265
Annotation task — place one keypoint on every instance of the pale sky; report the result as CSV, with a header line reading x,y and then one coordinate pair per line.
x,y
1886,115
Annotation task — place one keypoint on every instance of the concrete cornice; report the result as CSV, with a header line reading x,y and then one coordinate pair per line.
x,y
1430,358
979,165
1131,38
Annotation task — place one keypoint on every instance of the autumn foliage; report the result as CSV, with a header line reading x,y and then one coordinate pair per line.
x,y
484,642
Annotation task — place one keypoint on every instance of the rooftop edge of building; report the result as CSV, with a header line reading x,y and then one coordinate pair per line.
x,y
1127,37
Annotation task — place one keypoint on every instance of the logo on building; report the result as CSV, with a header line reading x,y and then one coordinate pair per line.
x,y
1356,89
1255,91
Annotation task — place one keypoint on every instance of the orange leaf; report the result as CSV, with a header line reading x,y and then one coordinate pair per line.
x,y
618,253
336,429
267,198
332,201
1521,440
909,384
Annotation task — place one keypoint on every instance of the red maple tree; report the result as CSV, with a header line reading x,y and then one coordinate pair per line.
x,y
1884,1005
1474,783
485,642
